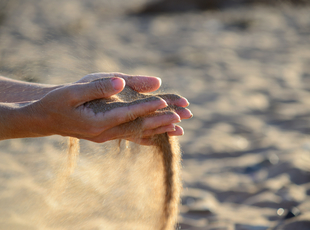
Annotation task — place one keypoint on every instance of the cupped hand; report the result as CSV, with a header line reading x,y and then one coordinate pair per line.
x,y
146,84
63,111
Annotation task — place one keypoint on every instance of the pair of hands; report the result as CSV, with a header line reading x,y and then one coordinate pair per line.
x,y
63,111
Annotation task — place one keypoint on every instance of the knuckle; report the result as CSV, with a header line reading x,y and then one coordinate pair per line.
x,y
101,86
130,114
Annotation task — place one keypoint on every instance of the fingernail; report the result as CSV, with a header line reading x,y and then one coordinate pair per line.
x,y
117,83
162,105
176,120
191,114
184,102
182,131
159,79
171,128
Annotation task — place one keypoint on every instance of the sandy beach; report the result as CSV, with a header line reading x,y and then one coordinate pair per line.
x,y
246,73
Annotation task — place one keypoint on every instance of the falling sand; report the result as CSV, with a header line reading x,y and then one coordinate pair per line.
x,y
139,186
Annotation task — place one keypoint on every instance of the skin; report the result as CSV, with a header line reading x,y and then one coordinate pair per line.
x,y
36,110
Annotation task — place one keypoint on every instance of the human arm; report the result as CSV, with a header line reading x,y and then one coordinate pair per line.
x,y
16,91
61,111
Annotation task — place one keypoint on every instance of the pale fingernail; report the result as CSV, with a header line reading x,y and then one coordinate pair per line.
x,y
171,128
117,83
159,79
191,114
162,105
179,132
185,101
176,120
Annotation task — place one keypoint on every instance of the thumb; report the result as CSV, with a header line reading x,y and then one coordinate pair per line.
x,y
97,89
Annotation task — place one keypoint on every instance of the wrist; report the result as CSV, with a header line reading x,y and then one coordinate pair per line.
x,y
35,120
20,120
38,93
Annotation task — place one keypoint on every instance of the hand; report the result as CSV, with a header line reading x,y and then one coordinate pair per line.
x,y
141,84
62,111
144,84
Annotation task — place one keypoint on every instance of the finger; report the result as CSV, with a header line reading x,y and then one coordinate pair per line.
x,y
160,130
142,127
132,110
81,93
184,113
160,119
151,125
178,131
146,138
142,84
174,99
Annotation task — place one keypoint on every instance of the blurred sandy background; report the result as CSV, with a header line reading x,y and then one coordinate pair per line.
x,y
245,68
